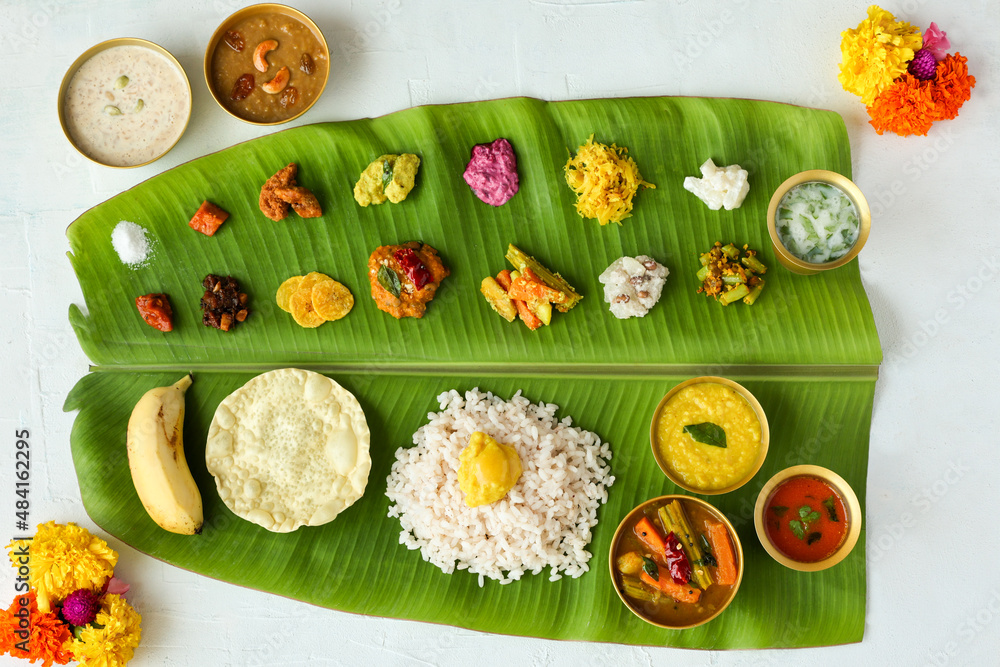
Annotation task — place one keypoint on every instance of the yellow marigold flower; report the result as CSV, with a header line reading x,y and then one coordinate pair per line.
x,y
876,53
112,645
61,559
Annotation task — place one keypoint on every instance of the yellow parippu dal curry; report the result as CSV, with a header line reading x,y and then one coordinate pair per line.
x,y
689,441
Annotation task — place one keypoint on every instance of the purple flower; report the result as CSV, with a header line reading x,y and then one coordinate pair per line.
x,y
923,66
936,41
80,607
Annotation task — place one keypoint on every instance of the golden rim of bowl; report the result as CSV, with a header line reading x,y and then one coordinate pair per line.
x,y
765,433
854,516
103,46
839,181
714,511
263,9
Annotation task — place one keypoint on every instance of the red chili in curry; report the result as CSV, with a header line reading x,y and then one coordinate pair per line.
x,y
414,269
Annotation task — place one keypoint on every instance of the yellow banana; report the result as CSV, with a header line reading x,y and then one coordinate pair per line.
x,y
156,458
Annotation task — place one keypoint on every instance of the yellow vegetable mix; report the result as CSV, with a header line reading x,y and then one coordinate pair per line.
x,y
605,180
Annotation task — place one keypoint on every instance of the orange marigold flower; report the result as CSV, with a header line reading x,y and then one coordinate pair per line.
x,y
952,85
46,634
910,106
906,107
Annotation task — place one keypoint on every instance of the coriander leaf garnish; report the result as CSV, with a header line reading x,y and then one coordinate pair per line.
x,y
387,169
807,515
706,553
388,279
649,567
707,433
831,509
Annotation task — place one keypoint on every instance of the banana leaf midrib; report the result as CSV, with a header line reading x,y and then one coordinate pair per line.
x,y
582,370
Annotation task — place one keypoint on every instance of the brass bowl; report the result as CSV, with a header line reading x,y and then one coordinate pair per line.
x,y
90,53
765,434
265,8
845,185
851,504
633,605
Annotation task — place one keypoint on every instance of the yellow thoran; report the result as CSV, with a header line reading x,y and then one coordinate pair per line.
x,y
605,180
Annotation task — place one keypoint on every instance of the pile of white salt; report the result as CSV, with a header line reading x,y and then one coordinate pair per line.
x,y
132,243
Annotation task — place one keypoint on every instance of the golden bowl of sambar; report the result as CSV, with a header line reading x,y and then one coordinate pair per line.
x,y
267,64
644,562
709,435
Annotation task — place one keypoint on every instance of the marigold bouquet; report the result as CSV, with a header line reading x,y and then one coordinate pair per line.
x,y
906,79
68,606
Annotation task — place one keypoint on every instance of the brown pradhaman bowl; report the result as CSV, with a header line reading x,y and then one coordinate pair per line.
x,y
266,8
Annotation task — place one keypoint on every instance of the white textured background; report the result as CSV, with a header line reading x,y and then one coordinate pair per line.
x,y
931,269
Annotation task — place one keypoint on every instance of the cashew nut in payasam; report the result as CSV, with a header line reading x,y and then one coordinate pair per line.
x,y
260,54
278,83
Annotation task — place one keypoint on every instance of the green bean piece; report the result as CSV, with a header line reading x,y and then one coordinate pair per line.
x,y
633,588
730,251
754,293
732,279
754,264
734,294
705,259
684,534
703,273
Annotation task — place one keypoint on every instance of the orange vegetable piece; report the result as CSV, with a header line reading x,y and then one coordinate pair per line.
x,y
208,219
504,279
651,537
722,548
679,592
529,287
529,318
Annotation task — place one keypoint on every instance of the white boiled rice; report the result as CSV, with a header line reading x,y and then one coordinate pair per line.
x,y
545,520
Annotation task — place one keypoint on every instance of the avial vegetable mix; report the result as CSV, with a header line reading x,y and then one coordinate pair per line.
x,y
674,562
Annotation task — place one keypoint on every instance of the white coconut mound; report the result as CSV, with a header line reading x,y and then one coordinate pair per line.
x,y
633,285
545,520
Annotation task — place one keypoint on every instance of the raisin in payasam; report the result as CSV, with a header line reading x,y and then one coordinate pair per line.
x,y
223,303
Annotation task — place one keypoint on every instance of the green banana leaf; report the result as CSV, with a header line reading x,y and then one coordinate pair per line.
x,y
821,319
356,563
807,349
